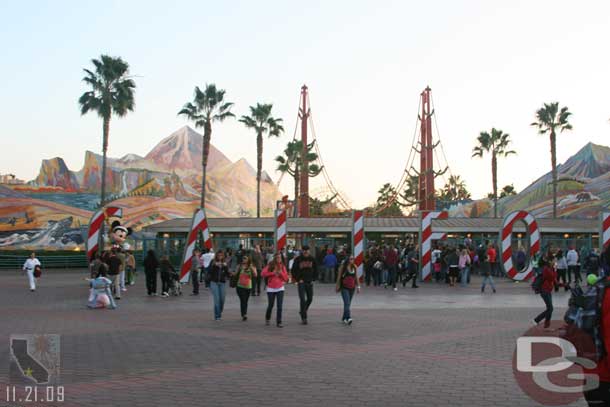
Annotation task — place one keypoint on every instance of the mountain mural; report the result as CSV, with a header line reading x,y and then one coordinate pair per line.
x,y
583,190
164,184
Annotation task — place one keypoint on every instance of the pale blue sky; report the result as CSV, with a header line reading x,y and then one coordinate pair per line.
x,y
489,63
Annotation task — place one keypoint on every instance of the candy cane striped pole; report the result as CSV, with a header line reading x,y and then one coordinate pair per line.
x,y
506,233
95,227
358,242
604,234
425,240
199,223
280,230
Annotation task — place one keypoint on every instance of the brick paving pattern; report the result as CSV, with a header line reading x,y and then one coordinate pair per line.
x,y
434,346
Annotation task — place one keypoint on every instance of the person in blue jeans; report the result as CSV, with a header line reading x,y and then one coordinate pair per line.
x,y
347,284
329,263
217,278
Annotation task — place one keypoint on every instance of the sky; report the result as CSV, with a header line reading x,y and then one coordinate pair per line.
x,y
489,64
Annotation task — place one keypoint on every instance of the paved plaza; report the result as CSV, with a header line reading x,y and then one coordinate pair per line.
x,y
434,346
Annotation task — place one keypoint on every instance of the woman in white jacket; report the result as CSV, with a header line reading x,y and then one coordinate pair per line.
x,y
29,266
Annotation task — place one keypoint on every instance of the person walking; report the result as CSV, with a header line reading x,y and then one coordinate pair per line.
x,y
245,273
391,261
130,264
464,265
492,259
217,277
166,275
30,266
452,260
195,270
257,262
304,272
549,275
486,271
347,284
562,270
572,262
329,263
412,267
150,271
276,276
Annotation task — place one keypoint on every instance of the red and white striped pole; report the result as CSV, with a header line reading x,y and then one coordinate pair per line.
x,y
604,234
425,240
95,226
199,222
358,242
280,230
506,243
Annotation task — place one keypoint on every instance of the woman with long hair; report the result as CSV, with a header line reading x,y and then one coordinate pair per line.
x,y
217,278
244,274
276,276
347,284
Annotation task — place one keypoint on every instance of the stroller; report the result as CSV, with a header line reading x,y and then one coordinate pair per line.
x,y
175,288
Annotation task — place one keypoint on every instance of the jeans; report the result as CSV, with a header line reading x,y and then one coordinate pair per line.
x,y
195,280
376,276
385,277
548,312
465,274
347,295
31,279
131,278
392,275
271,297
244,295
327,274
122,274
488,279
218,291
305,297
256,283
151,281
165,282
576,271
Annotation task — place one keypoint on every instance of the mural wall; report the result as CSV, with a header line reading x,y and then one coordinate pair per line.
x,y
52,211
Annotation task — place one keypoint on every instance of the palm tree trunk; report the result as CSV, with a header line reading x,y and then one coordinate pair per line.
x,y
259,169
207,136
105,134
554,172
494,180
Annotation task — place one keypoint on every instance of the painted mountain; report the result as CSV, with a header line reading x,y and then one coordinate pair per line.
x,y
52,210
583,190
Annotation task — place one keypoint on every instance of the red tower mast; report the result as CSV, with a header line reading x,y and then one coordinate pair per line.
x,y
426,168
303,206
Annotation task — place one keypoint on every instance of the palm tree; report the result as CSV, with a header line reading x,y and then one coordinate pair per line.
x,y
550,119
387,203
112,92
208,106
508,190
262,122
454,190
292,164
496,143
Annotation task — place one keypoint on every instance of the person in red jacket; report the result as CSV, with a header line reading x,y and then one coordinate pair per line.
x,y
276,275
549,275
601,395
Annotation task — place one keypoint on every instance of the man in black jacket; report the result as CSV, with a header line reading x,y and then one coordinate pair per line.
x,y
305,272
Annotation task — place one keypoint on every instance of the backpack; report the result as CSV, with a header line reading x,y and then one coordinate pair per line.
x,y
537,283
584,316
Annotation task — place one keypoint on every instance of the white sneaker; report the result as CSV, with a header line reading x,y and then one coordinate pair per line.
x,y
123,289
349,321
165,295
395,288
533,322
344,321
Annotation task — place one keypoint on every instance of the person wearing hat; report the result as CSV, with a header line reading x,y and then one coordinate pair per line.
x,y
305,272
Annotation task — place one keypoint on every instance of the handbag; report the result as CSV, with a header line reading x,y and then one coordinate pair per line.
x,y
233,280
37,272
